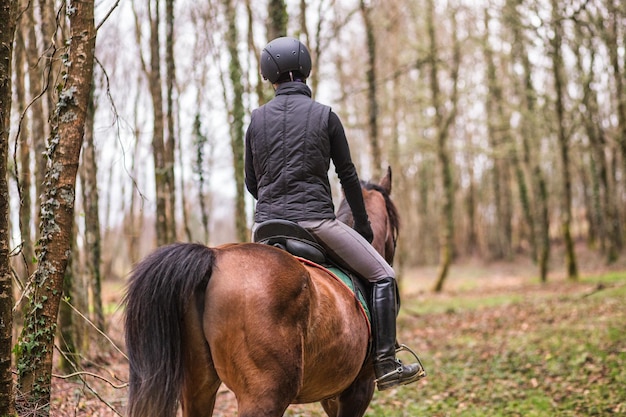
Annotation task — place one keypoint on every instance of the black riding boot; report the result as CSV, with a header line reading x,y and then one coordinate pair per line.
x,y
389,370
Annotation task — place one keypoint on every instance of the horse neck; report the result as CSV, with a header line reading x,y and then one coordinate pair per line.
x,y
384,241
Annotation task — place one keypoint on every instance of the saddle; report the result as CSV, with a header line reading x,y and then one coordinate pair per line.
x,y
291,237
296,240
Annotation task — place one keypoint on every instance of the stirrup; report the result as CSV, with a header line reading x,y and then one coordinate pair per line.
x,y
403,347
420,374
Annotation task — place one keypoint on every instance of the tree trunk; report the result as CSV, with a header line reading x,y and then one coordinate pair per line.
x,y
163,221
67,331
443,121
537,215
613,45
133,223
603,214
611,32
563,139
544,216
25,173
170,144
36,343
314,50
38,111
501,235
236,121
8,9
158,140
470,205
200,142
372,100
181,163
52,34
526,233
316,42
91,201
277,19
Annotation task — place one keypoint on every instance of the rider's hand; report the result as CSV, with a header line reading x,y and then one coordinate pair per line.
x,y
365,230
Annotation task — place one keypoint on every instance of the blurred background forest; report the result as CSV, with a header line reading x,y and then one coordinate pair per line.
x,y
503,121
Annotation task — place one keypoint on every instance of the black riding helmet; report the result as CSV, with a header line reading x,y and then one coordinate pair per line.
x,y
284,55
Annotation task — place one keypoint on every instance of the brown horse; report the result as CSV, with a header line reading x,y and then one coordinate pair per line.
x,y
276,330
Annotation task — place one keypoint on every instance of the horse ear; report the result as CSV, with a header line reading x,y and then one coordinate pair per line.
x,y
385,183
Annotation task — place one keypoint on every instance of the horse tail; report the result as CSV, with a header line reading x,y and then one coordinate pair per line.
x,y
159,289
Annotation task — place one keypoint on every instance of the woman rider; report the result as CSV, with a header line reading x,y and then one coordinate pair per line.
x,y
289,145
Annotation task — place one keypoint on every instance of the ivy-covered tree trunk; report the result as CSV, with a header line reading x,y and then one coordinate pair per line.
x,y
36,344
8,10
236,121
277,19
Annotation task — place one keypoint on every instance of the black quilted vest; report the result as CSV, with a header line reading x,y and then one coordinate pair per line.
x,y
291,156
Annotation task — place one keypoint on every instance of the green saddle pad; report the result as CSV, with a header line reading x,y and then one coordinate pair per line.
x,y
348,281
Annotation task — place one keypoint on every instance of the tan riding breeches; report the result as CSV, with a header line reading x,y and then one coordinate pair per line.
x,y
348,248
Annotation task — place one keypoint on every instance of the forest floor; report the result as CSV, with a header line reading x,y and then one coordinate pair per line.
x,y
495,342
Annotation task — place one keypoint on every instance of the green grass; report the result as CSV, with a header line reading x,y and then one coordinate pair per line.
x,y
556,350
616,277
540,353
457,304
